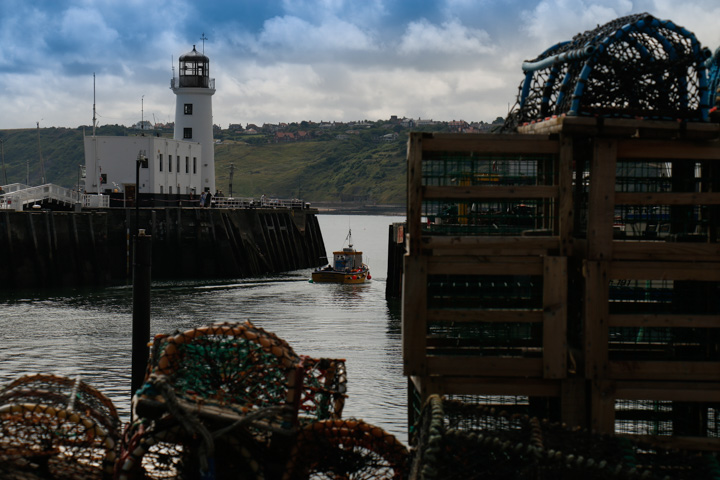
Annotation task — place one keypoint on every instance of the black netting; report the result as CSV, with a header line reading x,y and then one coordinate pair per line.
x,y
634,66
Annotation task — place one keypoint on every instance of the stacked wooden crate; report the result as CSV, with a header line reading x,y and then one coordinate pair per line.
x,y
485,277
628,259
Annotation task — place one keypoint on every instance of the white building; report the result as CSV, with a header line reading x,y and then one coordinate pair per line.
x,y
182,165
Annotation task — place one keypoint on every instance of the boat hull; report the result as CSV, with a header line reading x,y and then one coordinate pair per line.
x,y
331,276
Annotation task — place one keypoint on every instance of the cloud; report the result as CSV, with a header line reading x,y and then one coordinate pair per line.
x,y
451,37
291,37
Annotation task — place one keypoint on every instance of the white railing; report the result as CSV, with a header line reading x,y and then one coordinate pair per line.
x,y
249,202
18,195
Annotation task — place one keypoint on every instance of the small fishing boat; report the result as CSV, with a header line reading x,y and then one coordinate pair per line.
x,y
347,267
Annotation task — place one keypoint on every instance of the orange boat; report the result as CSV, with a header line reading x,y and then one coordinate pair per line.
x,y
347,267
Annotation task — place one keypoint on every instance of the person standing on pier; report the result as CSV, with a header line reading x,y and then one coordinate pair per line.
x,y
202,199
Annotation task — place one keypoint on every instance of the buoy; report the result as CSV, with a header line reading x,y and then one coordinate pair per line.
x,y
354,277
369,277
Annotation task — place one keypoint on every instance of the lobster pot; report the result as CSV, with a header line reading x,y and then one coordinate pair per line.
x,y
455,439
56,427
634,66
233,378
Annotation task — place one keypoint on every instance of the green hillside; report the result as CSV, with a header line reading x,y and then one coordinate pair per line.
x,y
334,165
319,171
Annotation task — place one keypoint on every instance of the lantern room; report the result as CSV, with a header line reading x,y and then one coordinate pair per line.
x,y
194,70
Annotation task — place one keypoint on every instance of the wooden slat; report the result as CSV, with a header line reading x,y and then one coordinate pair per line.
x,y
481,192
630,270
708,444
596,319
601,200
565,210
489,144
491,316
667,198
674,391
528,387
555,284
667,320
501,245
668,150
462,365
484,265
680,370
414,311
675,251
602,407
414,188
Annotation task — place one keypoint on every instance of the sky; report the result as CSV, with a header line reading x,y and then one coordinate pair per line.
x,y
292,60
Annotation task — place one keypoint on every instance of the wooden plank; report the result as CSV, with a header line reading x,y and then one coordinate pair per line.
x,y
708,444
528,387
573,402
482,243
674,391
555,285
665,370
667,198
484,265
565,210
675,251
601,199
477,245
595,316
602,407
489,144
629,270
490,316
483,192
414,311
463,365
631,149
665,320
414,192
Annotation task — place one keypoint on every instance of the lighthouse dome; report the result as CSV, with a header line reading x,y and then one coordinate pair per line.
x,y
194,69
194,56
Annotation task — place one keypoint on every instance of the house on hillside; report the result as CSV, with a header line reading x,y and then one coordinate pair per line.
x,y
457,125
284,137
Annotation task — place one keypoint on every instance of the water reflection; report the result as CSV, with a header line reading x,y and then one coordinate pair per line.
x,y
87,332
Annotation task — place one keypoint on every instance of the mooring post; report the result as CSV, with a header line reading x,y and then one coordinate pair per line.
x,y
141,309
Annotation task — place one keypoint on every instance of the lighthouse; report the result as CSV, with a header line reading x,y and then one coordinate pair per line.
x,y
193,89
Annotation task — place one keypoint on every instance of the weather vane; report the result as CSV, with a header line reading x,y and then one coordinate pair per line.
x,y
203,38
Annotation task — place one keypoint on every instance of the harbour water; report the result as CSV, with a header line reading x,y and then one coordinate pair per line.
x,y
87,332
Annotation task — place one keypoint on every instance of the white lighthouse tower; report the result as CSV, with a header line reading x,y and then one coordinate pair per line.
x,y
194,89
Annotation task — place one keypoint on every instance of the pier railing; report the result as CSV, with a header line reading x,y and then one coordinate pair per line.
x,y
17,195
249,202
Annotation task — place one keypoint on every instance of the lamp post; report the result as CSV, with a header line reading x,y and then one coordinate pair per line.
x,y
232,171
2,153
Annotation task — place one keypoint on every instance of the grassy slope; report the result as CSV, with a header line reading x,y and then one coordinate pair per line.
x,y
315,170
327,170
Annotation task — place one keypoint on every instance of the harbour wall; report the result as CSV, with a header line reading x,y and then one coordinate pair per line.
x,y
51,248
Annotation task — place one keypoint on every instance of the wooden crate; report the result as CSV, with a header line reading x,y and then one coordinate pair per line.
x,y
462,286
579,260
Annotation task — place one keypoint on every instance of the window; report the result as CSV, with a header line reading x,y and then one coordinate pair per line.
x,y
169,163
194,165
187,164
187,132
170,189
160,161
188,109
178,164
161,189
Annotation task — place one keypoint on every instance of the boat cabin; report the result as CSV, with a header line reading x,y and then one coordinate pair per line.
x,y
348,259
